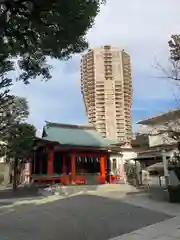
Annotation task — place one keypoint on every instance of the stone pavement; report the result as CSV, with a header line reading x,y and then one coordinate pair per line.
x,y
84,217
101,215
144,201
165,230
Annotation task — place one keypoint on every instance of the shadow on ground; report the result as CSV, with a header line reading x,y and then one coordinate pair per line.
x,y
84,217
158,193
141,191
7,195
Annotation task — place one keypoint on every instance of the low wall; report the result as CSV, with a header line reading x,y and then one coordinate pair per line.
x,y
4,173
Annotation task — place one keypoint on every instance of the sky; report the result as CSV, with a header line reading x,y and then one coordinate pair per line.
x,y
140,27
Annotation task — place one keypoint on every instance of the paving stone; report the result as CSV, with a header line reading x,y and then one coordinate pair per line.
x,y
84,217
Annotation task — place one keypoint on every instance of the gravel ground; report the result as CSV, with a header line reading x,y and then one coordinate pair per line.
x,y
84,217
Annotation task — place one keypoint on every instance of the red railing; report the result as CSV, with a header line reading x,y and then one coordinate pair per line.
x,y
113,179
80,180
65,180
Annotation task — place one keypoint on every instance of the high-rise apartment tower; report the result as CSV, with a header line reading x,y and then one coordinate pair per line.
x,y
106,86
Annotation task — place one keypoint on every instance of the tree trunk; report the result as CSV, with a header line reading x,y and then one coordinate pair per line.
x,y
10,178
10,174
178,146
15,174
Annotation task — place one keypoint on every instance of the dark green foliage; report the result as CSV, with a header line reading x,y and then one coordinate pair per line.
x,y
32,31
3,150
20,140
37,29
12,111
13,128
18,135
174,194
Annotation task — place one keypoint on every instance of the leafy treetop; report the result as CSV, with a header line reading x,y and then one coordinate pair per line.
x,y
20,141
32,30
13,110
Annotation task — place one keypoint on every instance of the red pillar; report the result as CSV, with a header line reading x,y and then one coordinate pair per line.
x,y
73,167
50,167
64,165
102,167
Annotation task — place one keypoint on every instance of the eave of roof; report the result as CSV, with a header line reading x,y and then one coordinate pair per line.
x,y
163,116
70,126
67,146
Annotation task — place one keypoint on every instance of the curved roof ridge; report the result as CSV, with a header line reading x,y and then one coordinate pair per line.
x,y
74,126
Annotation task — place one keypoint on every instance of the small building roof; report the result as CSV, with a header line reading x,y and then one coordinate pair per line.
x,y
170,115
75,135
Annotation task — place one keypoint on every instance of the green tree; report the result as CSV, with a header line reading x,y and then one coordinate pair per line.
x,y
20,142
13,110
33,30
12,125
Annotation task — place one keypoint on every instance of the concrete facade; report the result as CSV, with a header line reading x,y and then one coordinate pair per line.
x,y
119,159
128,154
106,86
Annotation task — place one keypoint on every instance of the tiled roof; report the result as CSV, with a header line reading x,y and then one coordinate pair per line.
x,y
76,135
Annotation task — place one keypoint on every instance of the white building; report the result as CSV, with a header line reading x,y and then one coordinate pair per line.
x,y
118,159
106,86
160,129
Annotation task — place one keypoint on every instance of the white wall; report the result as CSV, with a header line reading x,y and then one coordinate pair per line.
x,y
127,155
123,157
118,158
155,140
119,165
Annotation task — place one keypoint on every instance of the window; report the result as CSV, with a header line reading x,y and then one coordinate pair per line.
x,y
114,167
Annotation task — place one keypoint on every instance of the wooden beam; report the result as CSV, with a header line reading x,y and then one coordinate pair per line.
x,y
73,168
102,166
64,165
50,163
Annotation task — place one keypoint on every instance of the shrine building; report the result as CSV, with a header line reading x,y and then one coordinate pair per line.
x,y
71,154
